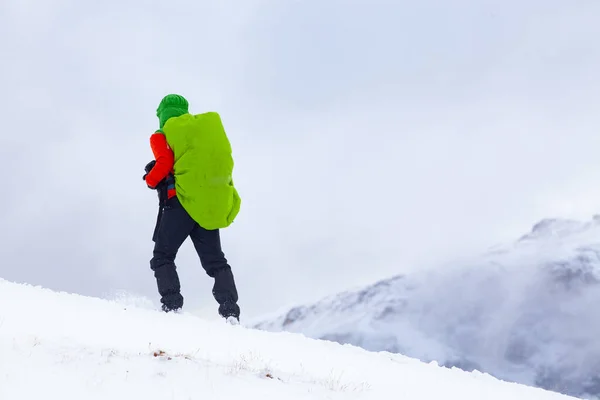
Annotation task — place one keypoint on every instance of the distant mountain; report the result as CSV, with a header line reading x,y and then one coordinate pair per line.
x,y
528,312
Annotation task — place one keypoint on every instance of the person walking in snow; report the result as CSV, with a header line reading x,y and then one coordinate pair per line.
x,y
192,172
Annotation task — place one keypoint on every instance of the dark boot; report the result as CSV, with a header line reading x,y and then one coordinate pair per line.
x,y
170,308
228,309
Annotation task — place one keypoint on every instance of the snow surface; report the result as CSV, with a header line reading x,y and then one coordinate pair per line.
x,y
527,312
64,346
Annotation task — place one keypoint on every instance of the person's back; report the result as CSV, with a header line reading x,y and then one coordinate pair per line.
x,y
196,150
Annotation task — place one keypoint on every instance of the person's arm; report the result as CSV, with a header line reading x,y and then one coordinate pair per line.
x,y
164,159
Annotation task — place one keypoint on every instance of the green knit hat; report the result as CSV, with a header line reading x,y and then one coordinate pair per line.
x,y
172,105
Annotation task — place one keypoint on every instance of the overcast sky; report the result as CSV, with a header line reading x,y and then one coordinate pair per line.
x,y
370,137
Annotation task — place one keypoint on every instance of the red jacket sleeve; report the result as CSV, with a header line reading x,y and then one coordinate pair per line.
x,y
164,159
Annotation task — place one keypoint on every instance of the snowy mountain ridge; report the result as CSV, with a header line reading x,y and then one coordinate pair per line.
x,y
524,312
62,346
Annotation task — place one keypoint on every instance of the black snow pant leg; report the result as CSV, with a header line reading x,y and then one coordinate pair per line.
x,y
175,226
208,247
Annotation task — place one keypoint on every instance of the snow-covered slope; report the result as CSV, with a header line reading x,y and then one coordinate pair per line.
x,y
61,346
528,312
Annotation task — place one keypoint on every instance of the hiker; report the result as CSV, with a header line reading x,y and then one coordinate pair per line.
x,y
192,172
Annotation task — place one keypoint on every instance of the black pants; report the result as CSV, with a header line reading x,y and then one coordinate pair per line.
x,y
173,229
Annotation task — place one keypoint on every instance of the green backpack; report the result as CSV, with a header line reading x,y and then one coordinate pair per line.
x,y
203,168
